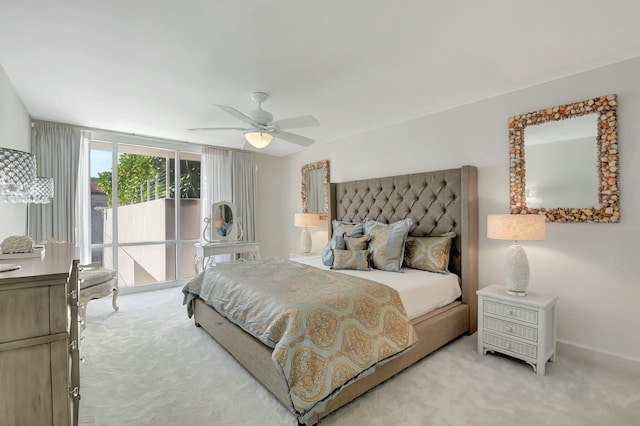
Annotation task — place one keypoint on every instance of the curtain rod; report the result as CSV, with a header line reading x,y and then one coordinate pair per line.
x,y
152,138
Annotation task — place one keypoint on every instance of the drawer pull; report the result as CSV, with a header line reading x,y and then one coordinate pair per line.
x,y
509,329
74,345
73,294
507,345
74,392
511,312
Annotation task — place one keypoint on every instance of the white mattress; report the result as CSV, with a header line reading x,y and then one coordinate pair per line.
x,y
421,292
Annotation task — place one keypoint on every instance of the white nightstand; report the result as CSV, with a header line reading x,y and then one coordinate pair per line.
x,y
521,327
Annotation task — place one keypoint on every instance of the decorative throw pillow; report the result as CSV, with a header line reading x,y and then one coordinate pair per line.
x,y
340,229
387,243
351,259
356,243
336,242
349,228
429,253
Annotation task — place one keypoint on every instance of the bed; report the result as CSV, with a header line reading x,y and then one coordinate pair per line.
x,y
436,203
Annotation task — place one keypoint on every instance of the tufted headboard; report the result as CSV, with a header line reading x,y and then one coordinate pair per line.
x,y
437,202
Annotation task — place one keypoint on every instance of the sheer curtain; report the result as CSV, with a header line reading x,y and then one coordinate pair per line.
x,y
244,179
215,172
83,200
230,176
57,149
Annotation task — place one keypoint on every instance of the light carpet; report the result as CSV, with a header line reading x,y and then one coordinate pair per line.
x,y
147,364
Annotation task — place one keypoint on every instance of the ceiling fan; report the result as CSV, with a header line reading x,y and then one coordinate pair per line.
x,y
262,128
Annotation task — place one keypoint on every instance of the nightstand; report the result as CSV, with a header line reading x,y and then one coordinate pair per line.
x,y
521,327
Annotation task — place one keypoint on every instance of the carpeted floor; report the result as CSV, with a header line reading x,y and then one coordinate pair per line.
x,y
147,364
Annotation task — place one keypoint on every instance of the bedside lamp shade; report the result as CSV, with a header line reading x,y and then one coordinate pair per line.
x,y
517,228
305,220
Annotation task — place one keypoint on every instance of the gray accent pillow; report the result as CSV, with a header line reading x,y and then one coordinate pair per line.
x,y
350,228
336,242
356,243
340,229
387,243
429,253
351,259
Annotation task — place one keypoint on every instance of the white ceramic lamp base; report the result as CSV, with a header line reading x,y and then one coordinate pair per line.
x,y
516,268
306,241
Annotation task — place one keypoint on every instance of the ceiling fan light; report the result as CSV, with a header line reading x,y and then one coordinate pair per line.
x,y
258,139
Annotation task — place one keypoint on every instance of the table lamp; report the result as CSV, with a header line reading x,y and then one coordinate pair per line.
x,y
306,220
516,227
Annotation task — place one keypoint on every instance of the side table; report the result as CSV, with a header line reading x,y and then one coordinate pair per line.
x,y
521,327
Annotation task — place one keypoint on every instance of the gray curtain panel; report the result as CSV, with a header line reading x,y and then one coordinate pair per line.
x,y
244,180
57,150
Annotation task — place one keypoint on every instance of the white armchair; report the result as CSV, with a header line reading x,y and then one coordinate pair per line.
x,y
95,283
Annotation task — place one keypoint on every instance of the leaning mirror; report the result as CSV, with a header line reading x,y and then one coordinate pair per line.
x,y
564,162
315,188
223,224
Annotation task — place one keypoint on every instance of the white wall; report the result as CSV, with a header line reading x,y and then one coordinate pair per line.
x,y
15,133
592,267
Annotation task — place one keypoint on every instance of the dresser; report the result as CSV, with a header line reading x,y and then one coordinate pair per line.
x,y
39,354
521,327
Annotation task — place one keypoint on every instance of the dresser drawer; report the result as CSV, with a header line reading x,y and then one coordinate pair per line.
x,y
510,311
524,349
512,329
24,313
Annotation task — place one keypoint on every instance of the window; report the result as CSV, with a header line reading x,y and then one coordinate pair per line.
x,y
145,216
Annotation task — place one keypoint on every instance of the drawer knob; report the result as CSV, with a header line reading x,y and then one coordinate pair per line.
x,y
509,329
507,345
511,312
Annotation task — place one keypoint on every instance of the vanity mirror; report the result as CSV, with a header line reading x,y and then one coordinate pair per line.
x,y
315,188
564,162
223,223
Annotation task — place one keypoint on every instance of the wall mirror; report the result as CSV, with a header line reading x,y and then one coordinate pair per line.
x,y
564,162
223,223
315,188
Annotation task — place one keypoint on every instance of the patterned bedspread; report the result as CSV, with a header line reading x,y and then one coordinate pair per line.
x,y
326,329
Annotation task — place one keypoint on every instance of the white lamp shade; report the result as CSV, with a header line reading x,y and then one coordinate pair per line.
x,y
258,139
516,227
307,219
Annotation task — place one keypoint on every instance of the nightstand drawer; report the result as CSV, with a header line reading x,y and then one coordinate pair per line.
x,y
510,311
524,332
509,345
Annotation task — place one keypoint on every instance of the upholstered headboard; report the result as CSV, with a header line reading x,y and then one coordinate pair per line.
x,y
437,202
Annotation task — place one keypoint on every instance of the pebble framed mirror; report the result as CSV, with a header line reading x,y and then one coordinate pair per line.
x,y
315,188
564,162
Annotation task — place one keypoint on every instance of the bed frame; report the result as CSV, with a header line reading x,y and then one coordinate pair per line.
x,y
438,202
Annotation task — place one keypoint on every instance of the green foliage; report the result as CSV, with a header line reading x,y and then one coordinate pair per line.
x,y
141,178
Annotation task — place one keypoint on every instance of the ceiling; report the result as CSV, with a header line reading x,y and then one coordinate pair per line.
x,y
155,67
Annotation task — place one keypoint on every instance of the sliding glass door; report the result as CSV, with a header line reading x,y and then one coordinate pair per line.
x,y
145,204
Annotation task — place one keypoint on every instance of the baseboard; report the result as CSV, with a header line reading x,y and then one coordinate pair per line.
x,y
589,353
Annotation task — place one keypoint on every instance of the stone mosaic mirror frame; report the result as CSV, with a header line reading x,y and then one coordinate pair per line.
x,y
606,210
324,166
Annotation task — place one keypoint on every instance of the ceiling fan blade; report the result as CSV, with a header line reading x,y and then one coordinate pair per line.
x,y
296,122
237,114
219,128
293,138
